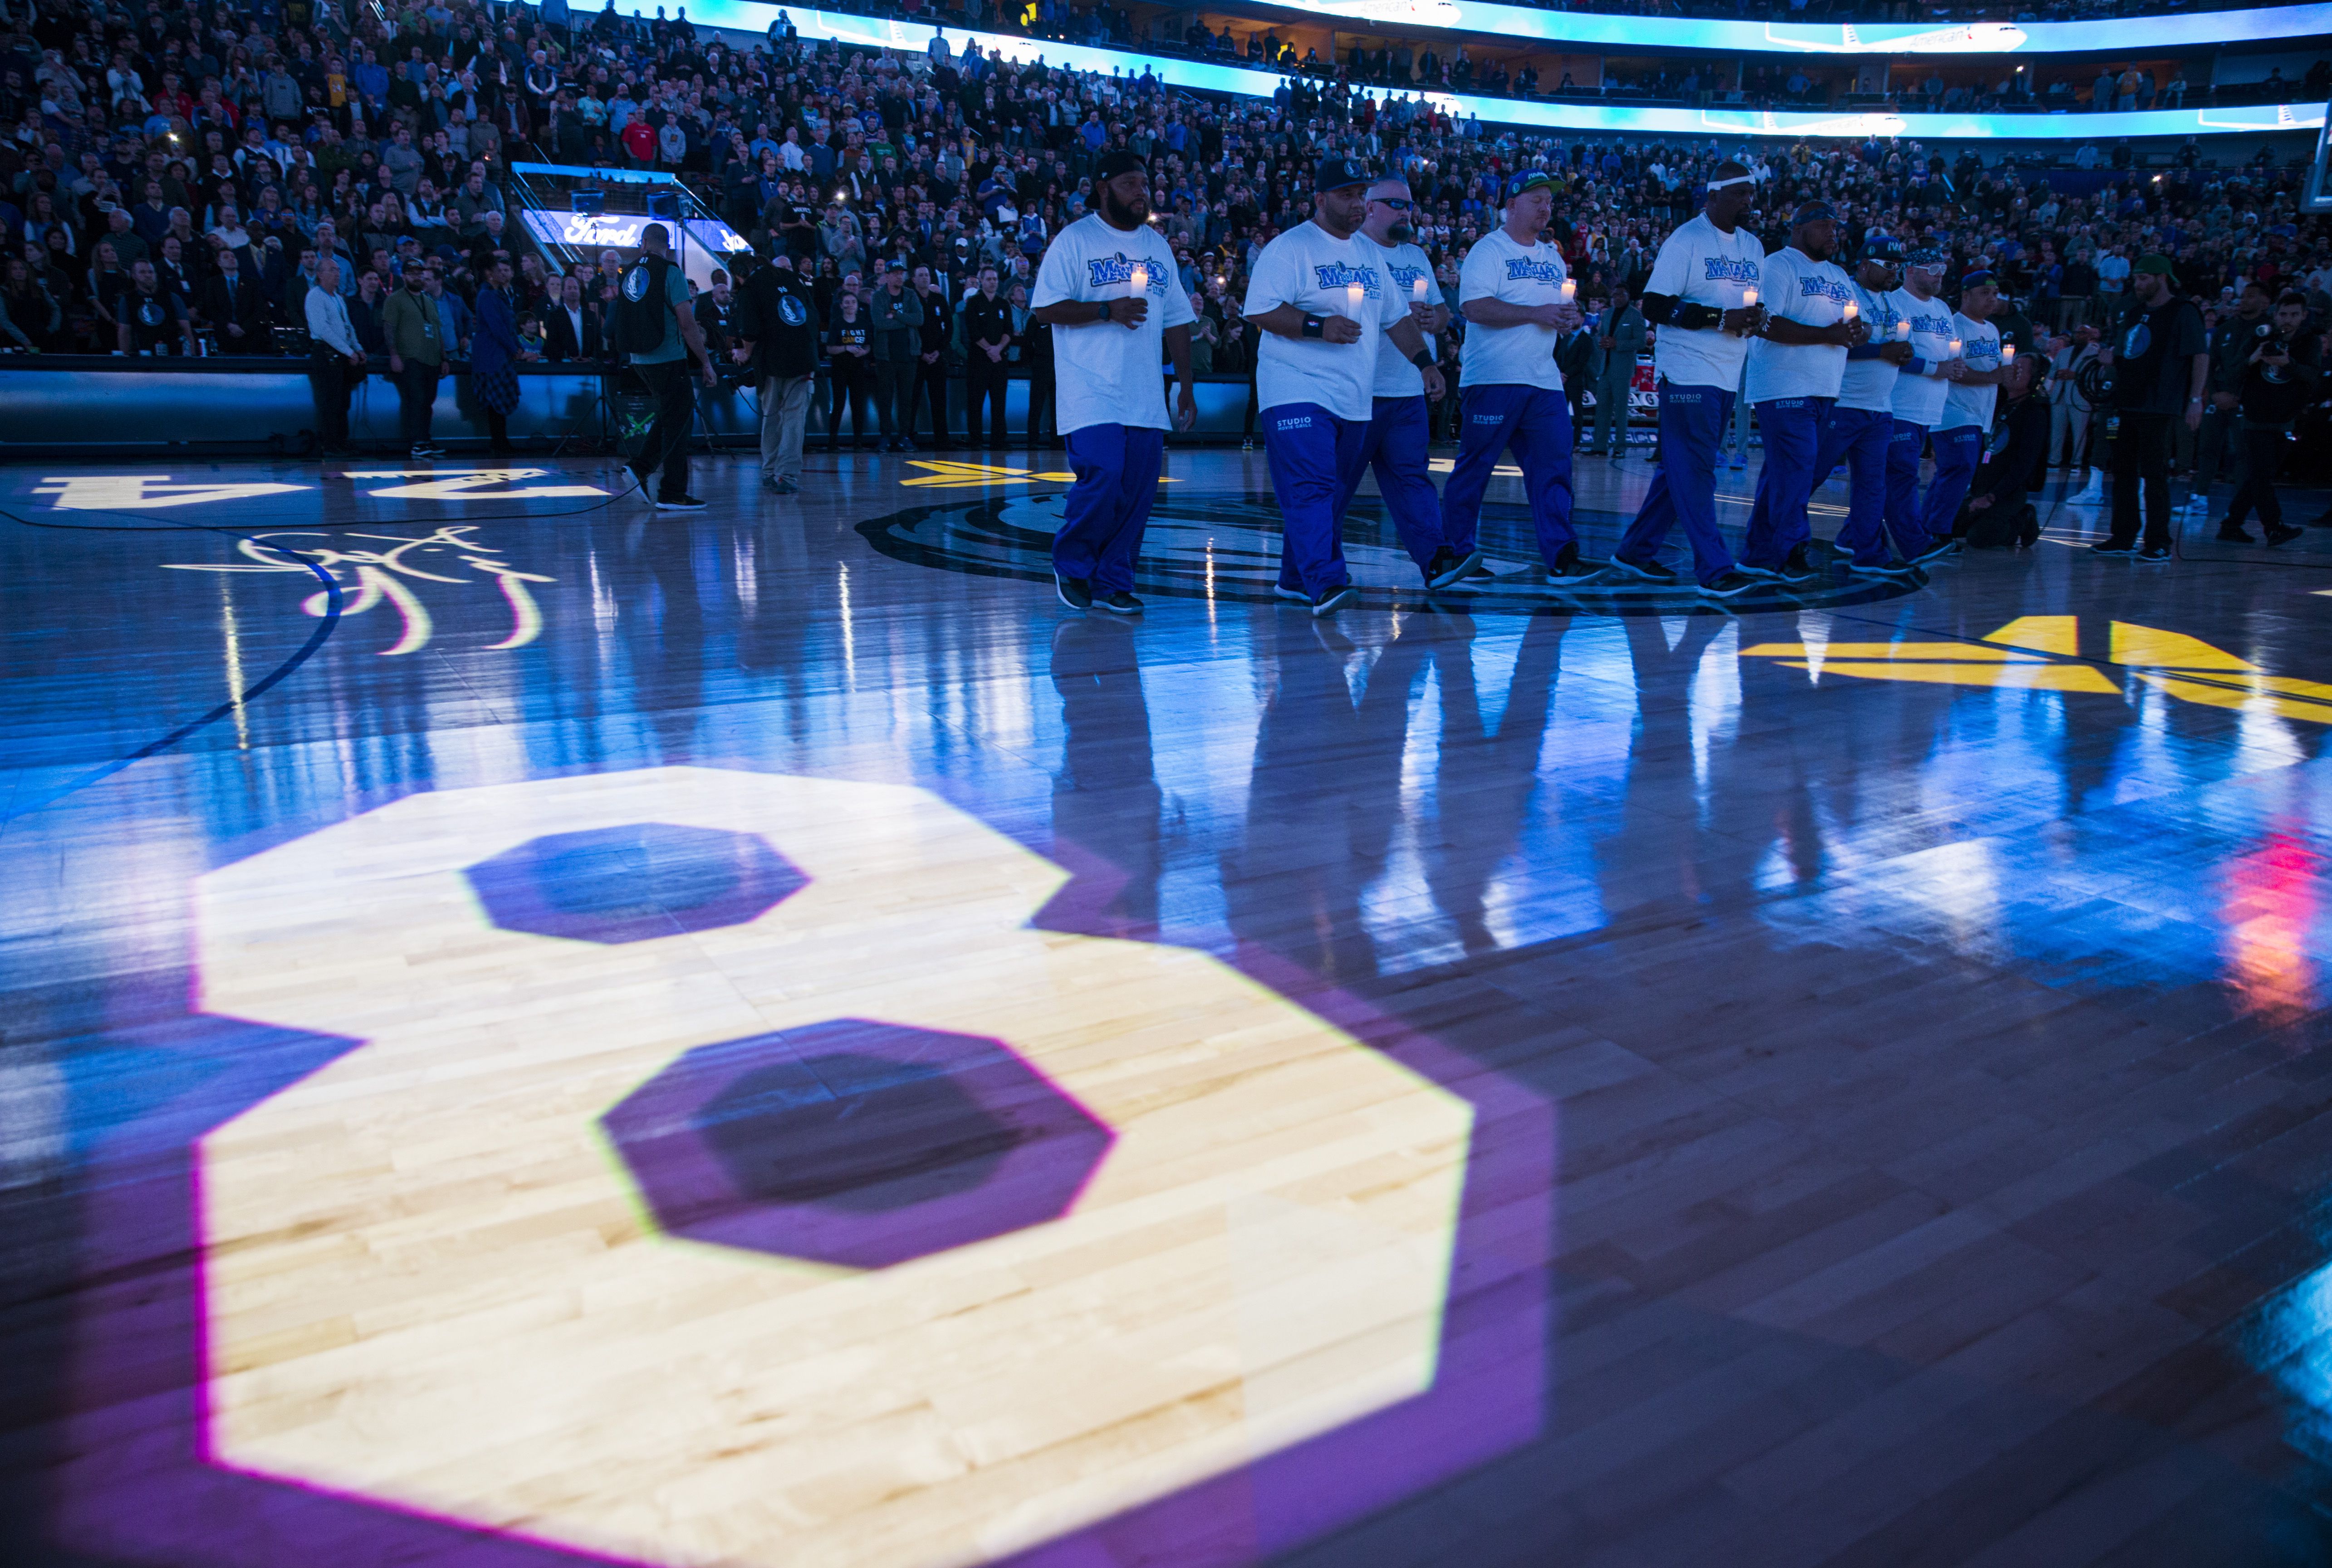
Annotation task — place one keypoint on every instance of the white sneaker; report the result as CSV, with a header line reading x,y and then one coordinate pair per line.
x,y
2090,494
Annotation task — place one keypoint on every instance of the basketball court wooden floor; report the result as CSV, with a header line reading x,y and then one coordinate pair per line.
x,y
536,1031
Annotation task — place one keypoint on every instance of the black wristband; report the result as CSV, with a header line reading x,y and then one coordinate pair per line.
x,y
1695,317
1422,358
1315,326
1101,311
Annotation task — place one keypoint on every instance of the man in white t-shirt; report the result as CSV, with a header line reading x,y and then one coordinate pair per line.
x,y
1398,430
1967,407
1919,389
1513,293
1702,299
1095,288
1795,367
1320,300
1862,420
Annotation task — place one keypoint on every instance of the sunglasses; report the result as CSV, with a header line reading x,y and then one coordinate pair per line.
x,y
1398,203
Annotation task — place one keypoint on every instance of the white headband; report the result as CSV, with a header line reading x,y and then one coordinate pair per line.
x,y
1737,179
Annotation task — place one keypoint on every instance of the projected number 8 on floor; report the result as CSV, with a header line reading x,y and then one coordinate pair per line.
x,y
726,1171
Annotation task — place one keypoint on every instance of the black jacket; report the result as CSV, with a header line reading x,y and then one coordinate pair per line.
x,y
986,320
249,310
559,339
2274,394
776,314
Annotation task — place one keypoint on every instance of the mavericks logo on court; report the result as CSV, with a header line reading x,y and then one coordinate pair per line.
x,y
1345,275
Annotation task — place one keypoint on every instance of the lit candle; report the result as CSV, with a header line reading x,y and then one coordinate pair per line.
x,y
1570,289
1955,348
1139,282
1903,330
1851,311
1417,290
1748,299
1352,296
2008,353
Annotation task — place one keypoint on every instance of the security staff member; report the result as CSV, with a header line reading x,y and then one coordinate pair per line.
x,y
987,320
1796,365
1697,295
1511,292
1396,442
1860,422
1108,291
1323,302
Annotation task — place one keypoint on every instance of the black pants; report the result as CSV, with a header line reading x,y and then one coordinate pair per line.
x,y
894,396
847,381
931,385
983,379
2141,451
673,385
417,398
1040,404
329,375
2263,455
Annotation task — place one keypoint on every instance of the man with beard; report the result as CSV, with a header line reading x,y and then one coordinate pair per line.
x,y
1699,296
1862,420
1796,365
1968,405
1095,291
1323,302
1920,388
1398,427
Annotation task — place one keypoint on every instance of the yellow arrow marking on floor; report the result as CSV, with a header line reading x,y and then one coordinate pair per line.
x,y
2038,652
946,476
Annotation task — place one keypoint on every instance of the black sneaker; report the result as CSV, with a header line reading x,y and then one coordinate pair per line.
x,y
2153,555
1894,570
1074,591
2282,533
2233,533
1120,603
1449,566
1942,549
1649,571
1295,595
679,503
1799,569
783,487
1732,586
1571,568
1334,599
2115,547
422,449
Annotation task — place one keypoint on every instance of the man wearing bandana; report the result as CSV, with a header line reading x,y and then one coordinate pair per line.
x,y
1863,419
1795,367
1967,407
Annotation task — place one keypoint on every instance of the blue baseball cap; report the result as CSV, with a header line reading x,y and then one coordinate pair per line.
x,y
1979,278
1878,245
1528,180
1336,173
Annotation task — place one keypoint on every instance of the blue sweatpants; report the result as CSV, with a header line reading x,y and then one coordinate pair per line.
x,y
1309,450
1857,437
1692,423
1535,423
1903,517
1957,452
1107,509
1793,433
1395,448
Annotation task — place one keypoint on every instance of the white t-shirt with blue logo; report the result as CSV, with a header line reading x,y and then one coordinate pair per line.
x,y
1868,384
1500,268
1701,264
1107,374
1407,267
1963,405
1310,269
1797,288
1919,395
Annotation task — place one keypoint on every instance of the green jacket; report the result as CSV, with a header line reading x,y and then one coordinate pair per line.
x,y
409,321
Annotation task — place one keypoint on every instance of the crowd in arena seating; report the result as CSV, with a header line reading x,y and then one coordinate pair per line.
x,y
208,157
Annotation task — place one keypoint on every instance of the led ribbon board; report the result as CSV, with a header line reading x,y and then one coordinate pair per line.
x,y
872,33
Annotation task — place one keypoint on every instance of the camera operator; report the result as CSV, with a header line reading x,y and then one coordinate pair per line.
x,y
2279,376
2158,359
2000,515
2219,442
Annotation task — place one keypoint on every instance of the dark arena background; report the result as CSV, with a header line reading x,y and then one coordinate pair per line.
x,y
547,1020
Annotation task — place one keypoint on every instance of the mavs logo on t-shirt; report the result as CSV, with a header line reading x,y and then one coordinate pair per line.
x,y
1405,279
1937,326
1103,272
1730,270
1344,275
636,284
1824,289
1525,267
792,311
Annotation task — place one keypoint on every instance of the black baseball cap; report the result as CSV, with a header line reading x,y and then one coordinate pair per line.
x,y
1336,173
1118,161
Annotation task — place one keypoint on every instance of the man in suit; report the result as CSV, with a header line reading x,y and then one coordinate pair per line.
x,y
570,325
1618,339
986,321
235,306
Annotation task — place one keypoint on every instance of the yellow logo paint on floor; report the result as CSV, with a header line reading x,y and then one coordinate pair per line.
x,y
946,476
2042,653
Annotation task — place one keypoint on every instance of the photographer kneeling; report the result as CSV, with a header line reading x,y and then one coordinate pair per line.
x,y
1999,513
2279,378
